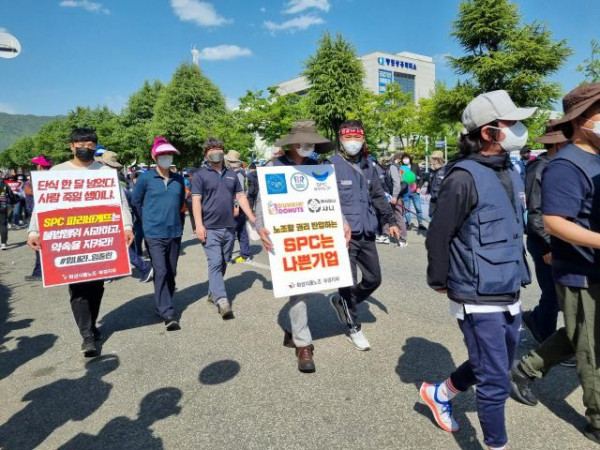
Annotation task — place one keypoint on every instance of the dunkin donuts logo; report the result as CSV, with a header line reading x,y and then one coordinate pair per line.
x,y
285,207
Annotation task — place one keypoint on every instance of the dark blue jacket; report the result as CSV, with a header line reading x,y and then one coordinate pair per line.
x,y
487,257
159,205
361,195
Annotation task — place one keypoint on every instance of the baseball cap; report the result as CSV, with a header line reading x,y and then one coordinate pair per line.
x,y
162,146
491,106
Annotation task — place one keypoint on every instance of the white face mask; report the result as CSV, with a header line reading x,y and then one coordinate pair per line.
x,y
306,150
596,129
164,161
353,148
515,137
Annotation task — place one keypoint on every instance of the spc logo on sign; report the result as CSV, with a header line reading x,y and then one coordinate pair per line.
x,y
320,176
299,182
276,183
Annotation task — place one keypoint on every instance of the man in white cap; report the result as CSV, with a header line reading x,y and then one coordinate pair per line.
x,y
476,257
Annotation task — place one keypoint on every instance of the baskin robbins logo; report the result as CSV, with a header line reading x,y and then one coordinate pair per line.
x,y
321,177
285,207
276,183
299,182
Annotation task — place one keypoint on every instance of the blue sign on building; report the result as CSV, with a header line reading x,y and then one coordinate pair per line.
x,y
396,63
385,77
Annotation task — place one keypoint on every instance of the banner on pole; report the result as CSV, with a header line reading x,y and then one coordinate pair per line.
x,y
302,212
80,222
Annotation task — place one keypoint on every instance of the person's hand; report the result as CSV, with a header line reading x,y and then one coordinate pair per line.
x,y
394,201
266,240
34,243
347,234
395,232
442,291
548,258
129,238
236,211
201,233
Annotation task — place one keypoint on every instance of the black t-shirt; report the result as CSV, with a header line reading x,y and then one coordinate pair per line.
x,y
218,191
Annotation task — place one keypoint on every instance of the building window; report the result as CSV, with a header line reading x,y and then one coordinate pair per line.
x,y
406,82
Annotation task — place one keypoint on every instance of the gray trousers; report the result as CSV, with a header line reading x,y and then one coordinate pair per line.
x,y
218,248
299,320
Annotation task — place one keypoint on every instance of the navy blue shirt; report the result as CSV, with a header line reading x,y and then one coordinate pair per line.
x,y
159,204
218,191
564,190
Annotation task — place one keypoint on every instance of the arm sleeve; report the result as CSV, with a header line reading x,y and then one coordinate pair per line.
x,y
127,220
380,202
138,196
396,180
564,188
455,202
197,185
535,223
238,185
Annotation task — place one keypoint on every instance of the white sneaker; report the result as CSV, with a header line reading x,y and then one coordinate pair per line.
x,y
383,239
442,411
402,244
2,246
359,340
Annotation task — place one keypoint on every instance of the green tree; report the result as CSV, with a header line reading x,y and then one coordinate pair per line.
x,y
501,52
186,110
232,129
336,79
591,66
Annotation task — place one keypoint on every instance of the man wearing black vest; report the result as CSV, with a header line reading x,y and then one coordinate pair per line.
x,y
570,196
361,194
476,256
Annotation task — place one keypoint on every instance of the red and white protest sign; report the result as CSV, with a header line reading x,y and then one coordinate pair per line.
x,y
80,222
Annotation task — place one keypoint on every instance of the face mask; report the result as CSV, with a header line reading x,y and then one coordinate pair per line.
x,y
164,161
352,148
84,154
216,157
306,150
515,137
406,161
596,129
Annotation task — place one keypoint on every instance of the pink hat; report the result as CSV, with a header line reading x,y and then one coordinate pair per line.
x,y
41,161
162,146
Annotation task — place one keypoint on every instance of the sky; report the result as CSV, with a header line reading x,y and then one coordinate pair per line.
x,y
98,52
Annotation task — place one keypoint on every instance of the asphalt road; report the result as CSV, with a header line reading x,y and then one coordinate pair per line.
x,y
222,385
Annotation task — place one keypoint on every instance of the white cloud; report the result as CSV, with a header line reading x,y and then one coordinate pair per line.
x,y
298,23
201,13
223,52
3,30
7,108
85,4
296,6
232,103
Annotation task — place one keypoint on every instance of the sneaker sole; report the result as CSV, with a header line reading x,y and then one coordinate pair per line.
x,y
365,349
228,315
436,416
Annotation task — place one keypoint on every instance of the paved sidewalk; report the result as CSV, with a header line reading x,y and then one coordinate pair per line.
x,y
232,385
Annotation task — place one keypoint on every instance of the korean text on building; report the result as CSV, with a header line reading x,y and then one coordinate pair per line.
x,y
302,212
81,226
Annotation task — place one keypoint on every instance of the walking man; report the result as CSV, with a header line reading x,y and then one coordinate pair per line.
x,y
476,257
158,197
214,190
87,296
233,163
361,198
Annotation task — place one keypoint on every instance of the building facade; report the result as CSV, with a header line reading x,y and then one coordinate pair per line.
x,y
414,73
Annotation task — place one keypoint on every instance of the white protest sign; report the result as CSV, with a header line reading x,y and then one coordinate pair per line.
x,y
302,212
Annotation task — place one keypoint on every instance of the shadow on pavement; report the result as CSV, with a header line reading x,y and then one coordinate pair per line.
x,y
27,348
243,282
122,432
219,372
53,405
322,320
423,360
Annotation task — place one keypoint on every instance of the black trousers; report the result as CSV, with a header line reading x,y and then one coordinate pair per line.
x,y
85,304
3,226
363,255
164,253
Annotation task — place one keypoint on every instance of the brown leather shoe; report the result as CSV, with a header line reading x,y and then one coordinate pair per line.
x,y
288,340
306,364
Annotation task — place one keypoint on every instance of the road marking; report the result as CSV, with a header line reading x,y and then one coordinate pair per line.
x,y
257,264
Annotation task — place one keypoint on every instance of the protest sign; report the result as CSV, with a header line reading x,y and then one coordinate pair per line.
x,y
301,209
81,226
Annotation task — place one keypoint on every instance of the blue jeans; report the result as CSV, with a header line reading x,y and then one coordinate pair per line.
x,y
241,234
491,340
546,312
218,248
164,253
17,213
416,201
138,262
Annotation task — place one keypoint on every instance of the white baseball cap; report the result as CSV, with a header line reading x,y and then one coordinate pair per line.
x,y
491,106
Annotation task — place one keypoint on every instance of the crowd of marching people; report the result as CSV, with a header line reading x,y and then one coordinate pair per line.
x,y
485,213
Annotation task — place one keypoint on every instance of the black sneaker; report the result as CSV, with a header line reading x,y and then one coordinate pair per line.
x,y
146,278
520,387
422,228
339,306
98,336
171,324
226,311
88,347
529,322
591,434
409,226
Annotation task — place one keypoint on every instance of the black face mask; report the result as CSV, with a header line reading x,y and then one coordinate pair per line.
x,y
84,154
